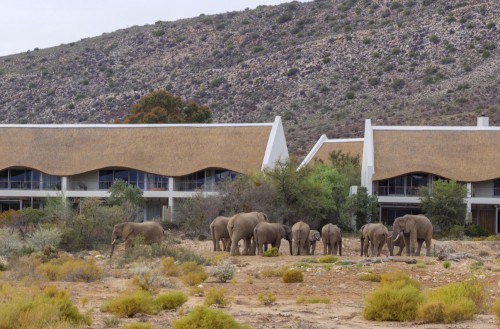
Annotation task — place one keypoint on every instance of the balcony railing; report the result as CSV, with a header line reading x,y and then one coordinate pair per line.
x,y
485,192
30,185
397,191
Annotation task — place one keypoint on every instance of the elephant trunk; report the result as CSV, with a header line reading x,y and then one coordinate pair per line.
x,y
340,247
112,248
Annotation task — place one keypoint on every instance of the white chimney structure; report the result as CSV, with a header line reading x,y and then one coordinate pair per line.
x,y
483,121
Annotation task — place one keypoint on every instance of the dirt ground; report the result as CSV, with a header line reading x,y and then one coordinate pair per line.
x,y
340,284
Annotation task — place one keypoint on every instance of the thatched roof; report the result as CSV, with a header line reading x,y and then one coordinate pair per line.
x,y
467,155
171,150
353,148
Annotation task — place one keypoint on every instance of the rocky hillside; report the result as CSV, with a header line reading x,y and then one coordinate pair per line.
x,y
324,66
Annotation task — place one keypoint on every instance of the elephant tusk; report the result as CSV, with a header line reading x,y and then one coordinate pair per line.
x,y
397,238
113,241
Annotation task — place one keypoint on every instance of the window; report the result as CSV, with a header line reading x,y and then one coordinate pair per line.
x,y
4,179
132,177
157,182
414,182
496,187
221,175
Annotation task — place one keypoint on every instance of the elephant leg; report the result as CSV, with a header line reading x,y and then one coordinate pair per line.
x,y
365,247
400,252
235,250
217,244
428,243
246,246
277,245
325,248
335,248
419,246
295,248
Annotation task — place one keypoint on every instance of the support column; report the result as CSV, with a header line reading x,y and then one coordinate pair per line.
x,y
468,201
171,185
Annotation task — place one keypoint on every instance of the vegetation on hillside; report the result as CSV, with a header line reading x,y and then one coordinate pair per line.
x,y
161,106
323,65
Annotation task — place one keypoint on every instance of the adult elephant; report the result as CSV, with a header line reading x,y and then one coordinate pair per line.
x,y
300,236
375,234
314,236
415,229
240,227
151,232
391,244
219,232
272,233
332,239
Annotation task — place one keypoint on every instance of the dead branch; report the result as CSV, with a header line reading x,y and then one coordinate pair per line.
x,y
380,260
443,254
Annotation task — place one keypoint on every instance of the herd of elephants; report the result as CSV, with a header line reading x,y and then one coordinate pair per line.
x,y
409,231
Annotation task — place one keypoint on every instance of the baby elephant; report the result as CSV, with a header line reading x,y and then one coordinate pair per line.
x,y
313,237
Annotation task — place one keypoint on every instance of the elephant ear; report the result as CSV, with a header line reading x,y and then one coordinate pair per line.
x,y
127,230
282,231
409,225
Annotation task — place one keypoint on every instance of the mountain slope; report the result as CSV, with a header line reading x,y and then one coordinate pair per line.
x,y
324,66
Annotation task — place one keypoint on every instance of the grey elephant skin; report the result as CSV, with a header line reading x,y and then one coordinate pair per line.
x,y
240,227
219,232
300,236
415,229
314,236
152,232
331,235
374,234
391,244
272,233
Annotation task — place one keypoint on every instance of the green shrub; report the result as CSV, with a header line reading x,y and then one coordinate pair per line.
x,y
28,307
312,300
202,317
398,278
292,276
128,304
193,273
268,272
446,264
139,325
217,296
496,309
473,230
170,300
68,269
370,276
169,268
309,260
272,252
266,298
393,303
396,299
328,259
448,304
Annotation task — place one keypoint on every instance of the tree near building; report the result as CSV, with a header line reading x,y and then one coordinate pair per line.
x,y
363,207
161,106
130,198
445,205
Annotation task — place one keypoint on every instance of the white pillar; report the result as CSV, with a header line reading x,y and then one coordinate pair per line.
x,y
468,200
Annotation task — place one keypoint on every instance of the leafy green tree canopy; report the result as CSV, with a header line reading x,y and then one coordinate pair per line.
x,y
445,206
161,106
364,207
